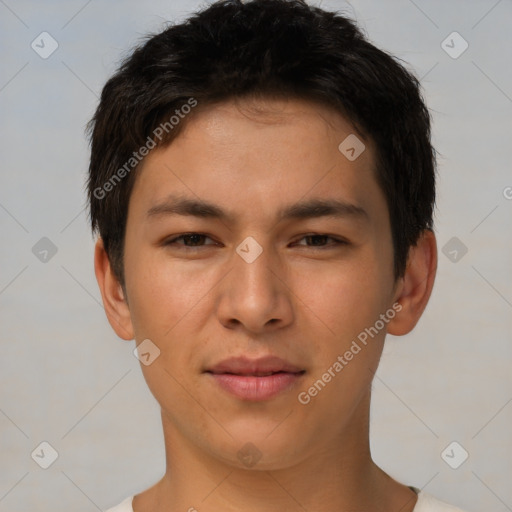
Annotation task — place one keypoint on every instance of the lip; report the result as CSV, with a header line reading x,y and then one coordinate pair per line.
x,y
255,379
247,366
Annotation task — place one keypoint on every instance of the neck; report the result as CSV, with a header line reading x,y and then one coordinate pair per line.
x,y
337,474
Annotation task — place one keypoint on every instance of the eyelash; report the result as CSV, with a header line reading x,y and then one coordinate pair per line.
x,y
183,237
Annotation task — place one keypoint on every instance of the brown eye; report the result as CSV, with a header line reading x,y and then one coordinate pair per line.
x,y
190,240
320,241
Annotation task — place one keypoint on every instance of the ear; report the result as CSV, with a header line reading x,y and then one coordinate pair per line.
x,y
114,302
414,289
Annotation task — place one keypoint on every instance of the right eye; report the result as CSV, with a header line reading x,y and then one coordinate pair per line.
x,y
194,239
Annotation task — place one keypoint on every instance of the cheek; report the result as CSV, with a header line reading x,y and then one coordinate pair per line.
x,y
162,294
342,303
343,298
166,308
339,307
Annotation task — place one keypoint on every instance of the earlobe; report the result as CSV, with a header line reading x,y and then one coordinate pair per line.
x,y
416,286
114,301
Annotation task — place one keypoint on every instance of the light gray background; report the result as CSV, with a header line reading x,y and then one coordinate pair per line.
x,y
65,377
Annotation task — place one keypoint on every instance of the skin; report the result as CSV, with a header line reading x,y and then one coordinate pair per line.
x,y
202,303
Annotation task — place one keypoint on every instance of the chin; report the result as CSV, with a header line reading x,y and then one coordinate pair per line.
x,y
263,451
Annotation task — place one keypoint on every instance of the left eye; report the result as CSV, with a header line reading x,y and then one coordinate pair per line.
x,y
320,239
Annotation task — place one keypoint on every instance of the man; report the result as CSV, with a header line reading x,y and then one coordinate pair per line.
x,y
262,181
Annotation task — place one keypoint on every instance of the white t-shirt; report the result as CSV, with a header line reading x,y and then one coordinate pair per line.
x,y
425,503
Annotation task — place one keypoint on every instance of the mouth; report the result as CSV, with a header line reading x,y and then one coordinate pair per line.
x,y
257,374
257,379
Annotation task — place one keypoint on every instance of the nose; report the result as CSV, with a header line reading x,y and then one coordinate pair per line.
x,y
255,295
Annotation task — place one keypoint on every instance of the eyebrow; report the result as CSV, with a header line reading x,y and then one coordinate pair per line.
x,y
309,209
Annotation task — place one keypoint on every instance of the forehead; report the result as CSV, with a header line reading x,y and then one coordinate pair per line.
x,y
260,154
230,121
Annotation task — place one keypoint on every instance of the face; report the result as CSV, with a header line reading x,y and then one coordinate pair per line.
x,y
252,297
